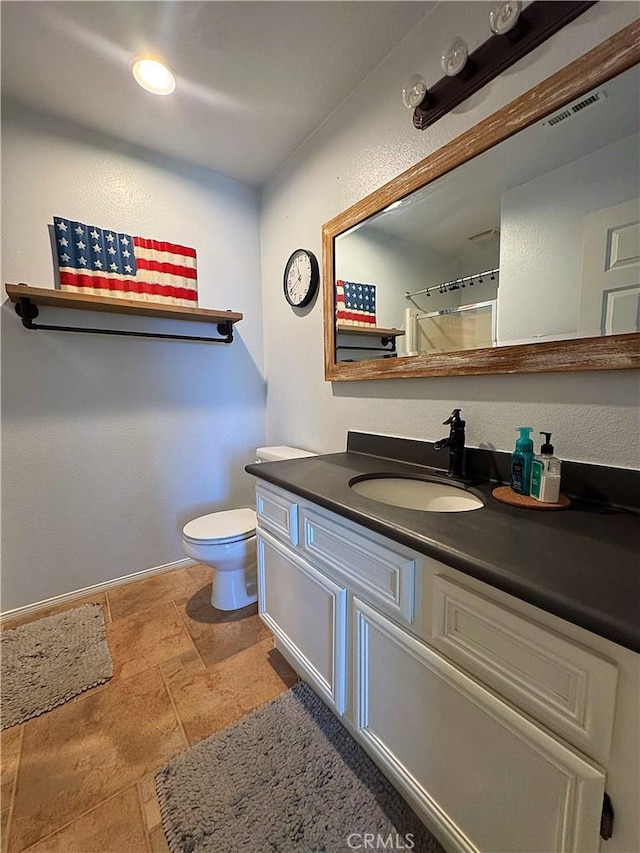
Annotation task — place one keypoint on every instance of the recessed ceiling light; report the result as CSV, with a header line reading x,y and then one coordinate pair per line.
x,y
153,76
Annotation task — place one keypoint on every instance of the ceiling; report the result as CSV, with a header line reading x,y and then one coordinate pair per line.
x,y
254,79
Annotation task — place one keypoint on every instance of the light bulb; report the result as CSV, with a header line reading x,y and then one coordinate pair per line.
x,y
504,17
455,57
153,76
414,91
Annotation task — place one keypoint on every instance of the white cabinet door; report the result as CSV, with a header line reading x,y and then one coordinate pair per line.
x,y
307,613
489,777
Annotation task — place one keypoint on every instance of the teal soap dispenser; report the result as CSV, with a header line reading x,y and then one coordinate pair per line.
x,y
521,460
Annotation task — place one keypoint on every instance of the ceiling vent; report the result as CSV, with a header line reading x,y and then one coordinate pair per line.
x,y
484,236
577,107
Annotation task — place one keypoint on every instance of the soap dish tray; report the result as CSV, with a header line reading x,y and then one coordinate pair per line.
x,y
506,495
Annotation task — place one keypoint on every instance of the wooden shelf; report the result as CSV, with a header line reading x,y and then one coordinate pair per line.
x,y
64,299
27,299
376,331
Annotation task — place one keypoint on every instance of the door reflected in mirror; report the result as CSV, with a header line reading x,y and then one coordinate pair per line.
x,y
536,239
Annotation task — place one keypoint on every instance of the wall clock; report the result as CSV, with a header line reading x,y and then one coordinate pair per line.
x,y
301,278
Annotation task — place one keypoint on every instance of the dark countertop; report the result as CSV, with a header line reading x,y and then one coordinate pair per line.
x,y
581,564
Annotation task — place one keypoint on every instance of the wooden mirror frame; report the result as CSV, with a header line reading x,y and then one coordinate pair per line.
x,y
613,352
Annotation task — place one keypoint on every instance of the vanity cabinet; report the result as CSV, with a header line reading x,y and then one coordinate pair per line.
x,y
501,731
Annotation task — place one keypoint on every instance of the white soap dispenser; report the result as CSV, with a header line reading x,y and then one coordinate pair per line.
x,y
545,474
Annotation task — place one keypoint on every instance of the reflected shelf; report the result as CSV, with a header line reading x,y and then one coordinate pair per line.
x,y
374,331
387,339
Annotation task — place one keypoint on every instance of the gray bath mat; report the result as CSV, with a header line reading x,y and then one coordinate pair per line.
x,y
48,662
289,778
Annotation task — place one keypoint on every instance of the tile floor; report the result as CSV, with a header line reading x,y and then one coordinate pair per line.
x,y
79,779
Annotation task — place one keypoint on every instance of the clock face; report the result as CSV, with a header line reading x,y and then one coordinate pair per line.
x,y
301,278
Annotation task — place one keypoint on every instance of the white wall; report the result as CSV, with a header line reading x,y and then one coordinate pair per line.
x,y
111,444
367,141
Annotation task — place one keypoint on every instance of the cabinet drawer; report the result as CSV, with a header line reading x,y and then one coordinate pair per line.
x,y
564,685
375,569
277,513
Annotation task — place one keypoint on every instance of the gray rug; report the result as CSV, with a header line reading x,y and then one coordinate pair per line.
x,y
48,662
289,778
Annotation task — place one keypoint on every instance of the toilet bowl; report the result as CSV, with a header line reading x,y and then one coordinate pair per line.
x,y
226,541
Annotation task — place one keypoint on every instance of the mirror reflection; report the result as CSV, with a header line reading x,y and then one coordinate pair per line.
x,y
536,239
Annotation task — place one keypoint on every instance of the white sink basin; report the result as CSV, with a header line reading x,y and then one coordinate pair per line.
x,y
416,494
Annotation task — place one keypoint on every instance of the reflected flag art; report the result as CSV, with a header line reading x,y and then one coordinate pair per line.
x,y
355,303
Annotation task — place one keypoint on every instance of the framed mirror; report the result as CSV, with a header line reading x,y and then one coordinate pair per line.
x,y
513,249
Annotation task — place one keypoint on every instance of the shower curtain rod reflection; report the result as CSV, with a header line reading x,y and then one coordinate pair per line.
x,y
454,284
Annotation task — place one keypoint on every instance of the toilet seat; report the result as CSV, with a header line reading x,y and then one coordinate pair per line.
x,y
221,527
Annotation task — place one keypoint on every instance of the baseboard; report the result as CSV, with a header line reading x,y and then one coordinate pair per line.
x,y
98,587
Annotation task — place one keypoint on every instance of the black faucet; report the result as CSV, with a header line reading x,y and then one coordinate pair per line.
x,y
455,443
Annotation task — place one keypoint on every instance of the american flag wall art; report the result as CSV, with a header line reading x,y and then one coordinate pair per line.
x,y
103,262
355,303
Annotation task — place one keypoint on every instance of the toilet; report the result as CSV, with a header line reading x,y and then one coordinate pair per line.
x,y
226,541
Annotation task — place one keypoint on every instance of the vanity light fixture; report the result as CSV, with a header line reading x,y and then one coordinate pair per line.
x,y
454,59
504,17
517,29
414,92
153,75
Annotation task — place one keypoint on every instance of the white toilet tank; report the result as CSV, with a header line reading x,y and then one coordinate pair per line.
x,y
279,452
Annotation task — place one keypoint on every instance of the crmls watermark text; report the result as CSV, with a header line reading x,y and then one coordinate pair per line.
x,y
377,841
